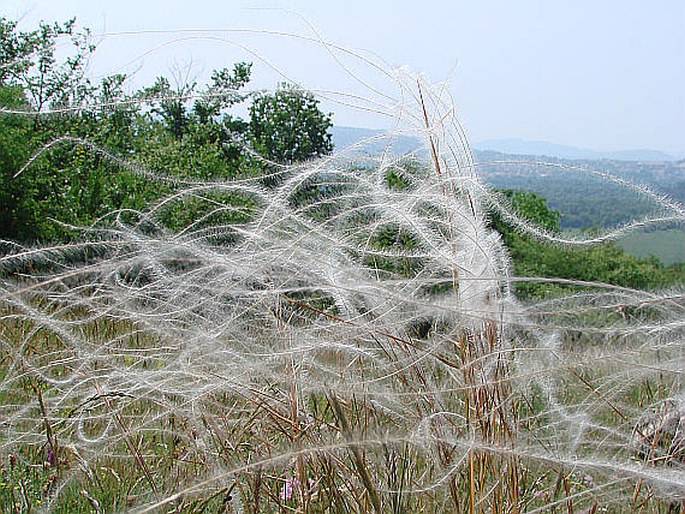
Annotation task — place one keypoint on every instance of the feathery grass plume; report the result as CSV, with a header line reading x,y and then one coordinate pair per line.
x,y
349,344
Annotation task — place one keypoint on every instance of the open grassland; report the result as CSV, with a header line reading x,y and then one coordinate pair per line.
x,y
434,418
666,245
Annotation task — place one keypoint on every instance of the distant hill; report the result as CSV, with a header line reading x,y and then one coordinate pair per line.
x,y
523,147
373,142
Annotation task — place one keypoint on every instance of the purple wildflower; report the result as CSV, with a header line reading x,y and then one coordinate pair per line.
x,y
287,488
292,485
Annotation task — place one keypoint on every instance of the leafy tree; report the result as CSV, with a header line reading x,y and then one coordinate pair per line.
x,y
14,151
116,120
169,104
172,105
287,126
533,207
223,92
29,60
35,77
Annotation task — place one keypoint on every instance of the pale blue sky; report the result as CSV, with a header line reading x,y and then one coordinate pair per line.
x,y
602,74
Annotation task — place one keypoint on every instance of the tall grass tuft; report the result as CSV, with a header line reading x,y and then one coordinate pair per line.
x,y
355,347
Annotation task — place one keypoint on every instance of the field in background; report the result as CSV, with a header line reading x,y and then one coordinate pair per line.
x,y
666,245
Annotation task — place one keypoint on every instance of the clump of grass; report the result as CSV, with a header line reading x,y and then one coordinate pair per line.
x,y
354,350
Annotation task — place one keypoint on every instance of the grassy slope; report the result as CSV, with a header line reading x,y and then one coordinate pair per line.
x,y
667,245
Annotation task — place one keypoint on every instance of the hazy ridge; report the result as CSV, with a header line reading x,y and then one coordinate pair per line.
x,y
347,136
582,199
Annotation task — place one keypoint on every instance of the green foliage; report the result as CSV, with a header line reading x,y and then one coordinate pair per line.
x,y
23,486
287,126
399,177
606,263
582,201
14,131
533,207
391,237
29,59
160,129
169,105
223,92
